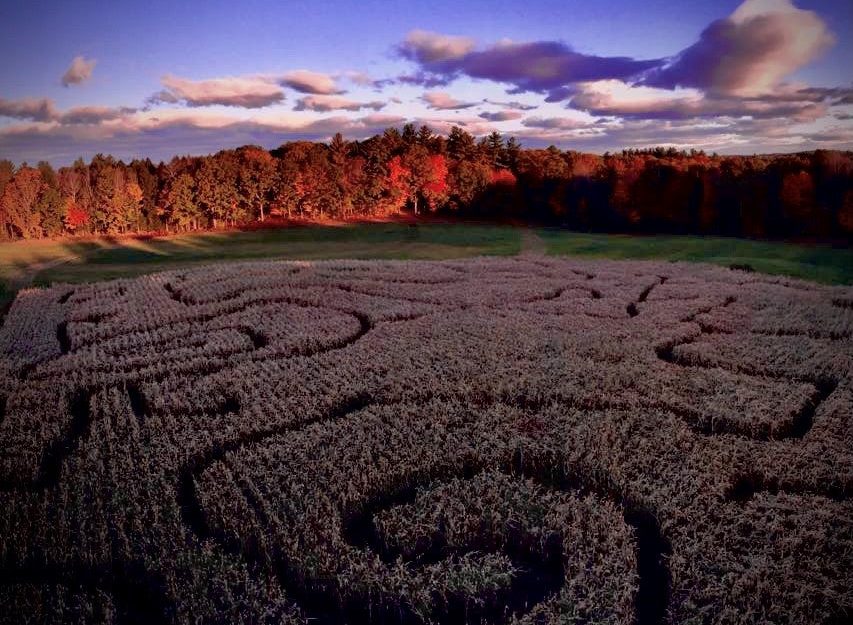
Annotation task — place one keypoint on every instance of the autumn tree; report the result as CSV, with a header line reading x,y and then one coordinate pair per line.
x,y
426,178
461,145
509,157
19,204
255,179
652,189
493,146
409,135
798,201
148,181
307,188
344,177
49,204
371,167
217,190
133,197
468,179
180,206
7,172
108,214
400,188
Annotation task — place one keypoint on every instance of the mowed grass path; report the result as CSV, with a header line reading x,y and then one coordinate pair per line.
x,y
89,260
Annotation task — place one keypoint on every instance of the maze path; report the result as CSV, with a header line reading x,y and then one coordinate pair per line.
x,y
319,605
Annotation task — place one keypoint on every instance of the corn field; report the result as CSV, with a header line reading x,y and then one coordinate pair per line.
x,y
524,440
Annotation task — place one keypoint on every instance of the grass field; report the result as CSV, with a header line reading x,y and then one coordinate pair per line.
x,y
811,262
103,259
75,261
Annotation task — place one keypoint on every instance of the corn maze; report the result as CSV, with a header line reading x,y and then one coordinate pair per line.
x,y
523,440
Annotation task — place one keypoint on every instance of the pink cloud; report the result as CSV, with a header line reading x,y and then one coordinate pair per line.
x,y
615,98
306,81
245,92
79,71
442,101
429,47
362,79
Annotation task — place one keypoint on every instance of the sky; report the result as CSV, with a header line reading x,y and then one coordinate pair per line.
x,y
158,79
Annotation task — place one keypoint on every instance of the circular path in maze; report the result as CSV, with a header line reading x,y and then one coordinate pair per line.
x,y
522,440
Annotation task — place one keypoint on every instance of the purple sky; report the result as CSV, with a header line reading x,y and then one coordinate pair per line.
x,y
158,79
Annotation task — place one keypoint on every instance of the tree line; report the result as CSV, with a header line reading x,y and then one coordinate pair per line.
x,y
652,190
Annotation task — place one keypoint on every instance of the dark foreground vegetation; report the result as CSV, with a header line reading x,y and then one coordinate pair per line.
x,y
657,190
525,440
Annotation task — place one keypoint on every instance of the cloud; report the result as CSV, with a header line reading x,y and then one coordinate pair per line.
x,y
325,103
514,104
35,109
750,52
94,114
837,96
616,98
423,79
427,47
554,123
501,116
475,125
238,91
441,101
44,110
163,97
733,136
731,90
79,71
163,133
362,79
539,66
305,81
381,120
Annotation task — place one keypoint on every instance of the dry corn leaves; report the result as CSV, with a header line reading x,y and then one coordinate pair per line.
x,y
487,441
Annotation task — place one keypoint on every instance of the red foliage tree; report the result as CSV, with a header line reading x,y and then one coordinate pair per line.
x,y
435,187
76,216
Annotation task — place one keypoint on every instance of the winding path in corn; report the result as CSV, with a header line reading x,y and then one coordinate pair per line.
x,y
522,440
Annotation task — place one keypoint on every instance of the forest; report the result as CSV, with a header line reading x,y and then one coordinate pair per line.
x,y
803,195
